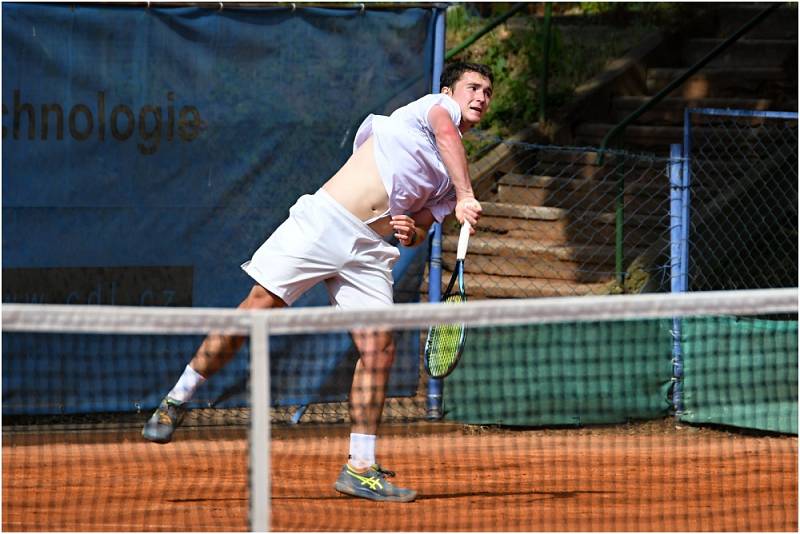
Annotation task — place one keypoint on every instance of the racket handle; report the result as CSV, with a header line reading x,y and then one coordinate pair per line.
x,y
463,240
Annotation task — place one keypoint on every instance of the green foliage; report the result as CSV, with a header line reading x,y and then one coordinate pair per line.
x,y
579,49
458,20
597,8
509,56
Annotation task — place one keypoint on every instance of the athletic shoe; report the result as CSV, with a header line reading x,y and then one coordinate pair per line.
x,y
164,421
372,485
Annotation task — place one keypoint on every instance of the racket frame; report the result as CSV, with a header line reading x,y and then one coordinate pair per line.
x,y
457,276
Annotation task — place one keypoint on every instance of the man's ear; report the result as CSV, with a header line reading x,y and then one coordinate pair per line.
x,y
446,90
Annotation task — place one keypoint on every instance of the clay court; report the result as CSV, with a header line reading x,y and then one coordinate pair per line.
x,y
655,476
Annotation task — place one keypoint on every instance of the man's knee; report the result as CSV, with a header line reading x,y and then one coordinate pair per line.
x,y
260,298
375,344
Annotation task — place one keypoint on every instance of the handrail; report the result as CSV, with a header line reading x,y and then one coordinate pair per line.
x,y
620,127
616,130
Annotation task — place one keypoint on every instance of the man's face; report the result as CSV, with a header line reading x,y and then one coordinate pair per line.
x,y
473,92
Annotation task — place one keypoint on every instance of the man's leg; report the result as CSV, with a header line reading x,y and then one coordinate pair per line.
x,y
217,350
368,392
212,355
361,476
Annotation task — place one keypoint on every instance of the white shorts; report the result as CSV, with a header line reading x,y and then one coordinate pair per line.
x,y
323,242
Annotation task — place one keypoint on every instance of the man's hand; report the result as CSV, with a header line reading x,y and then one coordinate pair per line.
x,y
468,209
405,230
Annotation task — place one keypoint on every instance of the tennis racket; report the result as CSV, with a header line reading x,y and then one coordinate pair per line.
x,y
446,341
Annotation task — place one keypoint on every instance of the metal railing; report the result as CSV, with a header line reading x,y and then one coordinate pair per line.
x,y
618,130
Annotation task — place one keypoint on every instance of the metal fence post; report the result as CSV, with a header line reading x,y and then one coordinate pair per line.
x,y
676,278
685,184
436,385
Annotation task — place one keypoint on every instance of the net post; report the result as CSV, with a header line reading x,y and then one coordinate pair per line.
x,y
259,425
676,278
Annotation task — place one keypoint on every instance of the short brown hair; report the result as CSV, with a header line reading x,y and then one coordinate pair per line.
x,y
453,71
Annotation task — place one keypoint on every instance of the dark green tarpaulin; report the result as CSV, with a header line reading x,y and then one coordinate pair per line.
x,y
737,372
741,372
562,374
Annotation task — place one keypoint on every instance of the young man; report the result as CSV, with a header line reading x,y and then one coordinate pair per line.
x,y
407,171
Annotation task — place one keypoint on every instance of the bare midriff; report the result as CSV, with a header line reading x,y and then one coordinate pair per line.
x,y
358,187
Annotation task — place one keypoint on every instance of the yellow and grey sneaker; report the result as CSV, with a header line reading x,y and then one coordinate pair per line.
x,y
371,484
165,420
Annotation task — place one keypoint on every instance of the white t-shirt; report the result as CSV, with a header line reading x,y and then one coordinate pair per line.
x,y
407,157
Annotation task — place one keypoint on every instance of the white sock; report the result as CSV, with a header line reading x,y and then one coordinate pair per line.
x,y
187,384
362,450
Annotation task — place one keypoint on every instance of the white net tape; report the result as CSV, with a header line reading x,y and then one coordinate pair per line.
x,y
134,320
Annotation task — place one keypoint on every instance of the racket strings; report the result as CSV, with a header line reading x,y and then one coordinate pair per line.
x,y
444,343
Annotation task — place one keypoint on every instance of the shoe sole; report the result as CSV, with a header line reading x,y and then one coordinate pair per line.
x,y
154,439
372,497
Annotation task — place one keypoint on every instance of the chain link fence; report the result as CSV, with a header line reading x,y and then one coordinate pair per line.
x,y
744,235
563,221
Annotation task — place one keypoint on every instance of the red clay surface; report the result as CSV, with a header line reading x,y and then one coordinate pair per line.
x,y
650,478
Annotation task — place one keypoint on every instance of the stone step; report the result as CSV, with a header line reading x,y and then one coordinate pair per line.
x,y
565,234
652,138
660,137
588,194
593,184
565,226
584,163
641,169
579,159
708,170
743,53
780,24
752,82
534,249
569,200
518,211
670,111
487,286
547,266
580,187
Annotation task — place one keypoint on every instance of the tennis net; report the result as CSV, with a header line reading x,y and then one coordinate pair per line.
x,y
614,413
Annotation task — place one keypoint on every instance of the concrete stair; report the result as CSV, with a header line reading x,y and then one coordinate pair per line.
x,y
578,193
745,53
670,112
782,24
560,226
525,250
549,224
758,72
729,82
654,138
485,286
643,173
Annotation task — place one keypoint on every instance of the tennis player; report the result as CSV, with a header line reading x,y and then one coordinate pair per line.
x,y
407,170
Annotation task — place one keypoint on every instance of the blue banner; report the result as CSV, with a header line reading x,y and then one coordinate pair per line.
x,y
147,152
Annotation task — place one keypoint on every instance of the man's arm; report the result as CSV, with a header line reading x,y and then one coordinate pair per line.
x,y
454,158
411,230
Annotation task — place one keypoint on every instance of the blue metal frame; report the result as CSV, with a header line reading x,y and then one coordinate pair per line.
x,y
687,173
676,266
740,113
436,385
680,182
